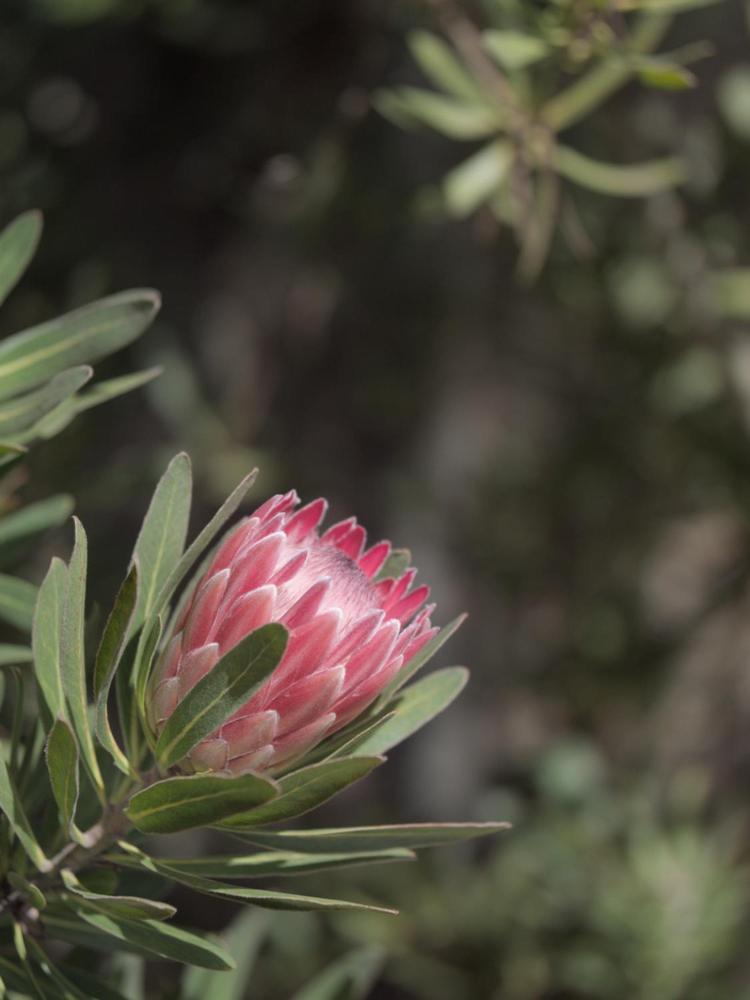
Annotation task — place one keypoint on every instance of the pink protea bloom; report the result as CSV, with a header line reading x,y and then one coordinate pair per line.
x,y
348,633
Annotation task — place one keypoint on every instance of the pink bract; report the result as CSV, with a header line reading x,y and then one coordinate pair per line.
x,y
348,633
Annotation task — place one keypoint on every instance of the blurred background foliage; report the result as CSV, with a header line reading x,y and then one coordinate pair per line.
x,y
568,459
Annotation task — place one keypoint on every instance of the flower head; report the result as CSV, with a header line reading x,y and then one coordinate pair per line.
x,y
349,633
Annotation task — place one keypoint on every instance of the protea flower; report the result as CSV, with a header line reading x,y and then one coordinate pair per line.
x,y
348,633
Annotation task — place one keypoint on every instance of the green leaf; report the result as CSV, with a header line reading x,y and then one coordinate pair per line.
x,y
440,65
395,565
243,940
18,243
204,539
424,655
221,692
306,789
371,838
45,637
29,889
62,765
663,75
413,708
349,978
514,50
73,655
478,178
141,936
196,800
118,907
35,518
92,986
14,977
11,806
269,899
631,181
108,657
161,540
10,455
11,655
17,600
102,392
278,863
24,411
33,356
408,107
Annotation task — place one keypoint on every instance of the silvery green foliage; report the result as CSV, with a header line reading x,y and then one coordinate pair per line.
x,y
515,83
82,776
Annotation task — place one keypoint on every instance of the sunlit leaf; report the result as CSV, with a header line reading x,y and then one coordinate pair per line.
x,y
479,177
32,357
306,789
188,801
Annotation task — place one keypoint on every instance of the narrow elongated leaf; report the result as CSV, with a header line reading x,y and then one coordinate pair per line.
x,y
371,838
92,986
442,67
478,178
128,907
630,181
17,600
221,692
306,789
109,654
23,412
146,936
11,806
102,392
51,981
161,540
196,800
45,637
18,243
276,863
62,766
79,337
413,707
267,898
204,539
424,655
349,978
243,940
409,107
513,49
35,518
11,654
73,656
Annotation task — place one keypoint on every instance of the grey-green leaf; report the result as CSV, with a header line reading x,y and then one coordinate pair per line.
x,y
10,805
45,637
196,800
372,838
281,863
18,243
21,413
620,180
11,654
306,789
84,335
35,518
442,67
413,708
109,654
204,539
221,692
73,655
119,907
158,939
62,766
161,540
17,601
